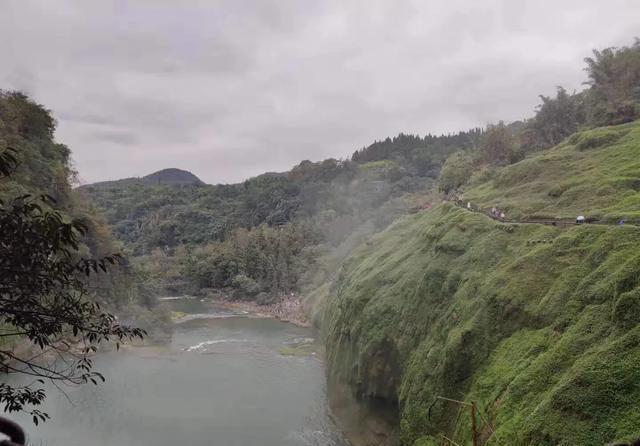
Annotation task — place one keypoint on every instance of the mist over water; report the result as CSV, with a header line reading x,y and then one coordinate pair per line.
x,y
220,382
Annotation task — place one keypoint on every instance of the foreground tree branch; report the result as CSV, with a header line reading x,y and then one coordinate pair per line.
x,y
45,300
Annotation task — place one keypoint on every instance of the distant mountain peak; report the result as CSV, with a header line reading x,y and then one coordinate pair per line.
x,y
171,176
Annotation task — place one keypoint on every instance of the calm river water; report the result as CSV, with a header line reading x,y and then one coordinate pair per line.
x,y
222,381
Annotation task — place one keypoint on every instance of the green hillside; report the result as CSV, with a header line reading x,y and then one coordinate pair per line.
x,y
544,336
537,324
594,172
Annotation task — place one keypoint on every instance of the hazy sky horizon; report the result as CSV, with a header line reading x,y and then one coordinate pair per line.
x,y
229,89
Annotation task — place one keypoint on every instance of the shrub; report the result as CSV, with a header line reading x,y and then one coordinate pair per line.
x,y
245,285
456,172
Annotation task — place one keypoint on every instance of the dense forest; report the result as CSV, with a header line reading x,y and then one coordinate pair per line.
x,y
290,217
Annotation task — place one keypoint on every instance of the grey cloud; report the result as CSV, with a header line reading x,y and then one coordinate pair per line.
x,y
115,136
230,89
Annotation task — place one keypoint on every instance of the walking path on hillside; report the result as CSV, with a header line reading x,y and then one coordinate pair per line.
x,y
558,222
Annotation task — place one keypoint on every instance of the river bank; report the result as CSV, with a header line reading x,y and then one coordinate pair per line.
x,y
289,309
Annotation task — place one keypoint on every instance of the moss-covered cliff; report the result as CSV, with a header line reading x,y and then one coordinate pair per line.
x,y
537,324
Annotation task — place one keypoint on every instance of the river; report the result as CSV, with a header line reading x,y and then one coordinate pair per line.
x,y
223,380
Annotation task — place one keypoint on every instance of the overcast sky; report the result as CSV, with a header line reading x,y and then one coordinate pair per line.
x,y
231,89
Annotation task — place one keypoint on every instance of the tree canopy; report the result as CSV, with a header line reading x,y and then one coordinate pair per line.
x,y
614,78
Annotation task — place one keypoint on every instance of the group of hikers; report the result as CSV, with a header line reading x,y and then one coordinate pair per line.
x,y
496,212
499,214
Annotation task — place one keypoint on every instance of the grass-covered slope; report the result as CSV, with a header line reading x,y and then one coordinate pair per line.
x,y
543,335
595,173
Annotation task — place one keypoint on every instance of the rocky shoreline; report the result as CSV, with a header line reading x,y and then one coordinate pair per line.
x,y
289,309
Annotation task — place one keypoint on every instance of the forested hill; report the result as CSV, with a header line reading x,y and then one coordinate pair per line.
x,y
170,176
43,168
261,236
150,213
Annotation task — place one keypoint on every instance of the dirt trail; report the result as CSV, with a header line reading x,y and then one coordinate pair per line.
x,y
559,222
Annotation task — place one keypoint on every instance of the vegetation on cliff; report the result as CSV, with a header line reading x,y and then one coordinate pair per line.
x,y
537,324
450,303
